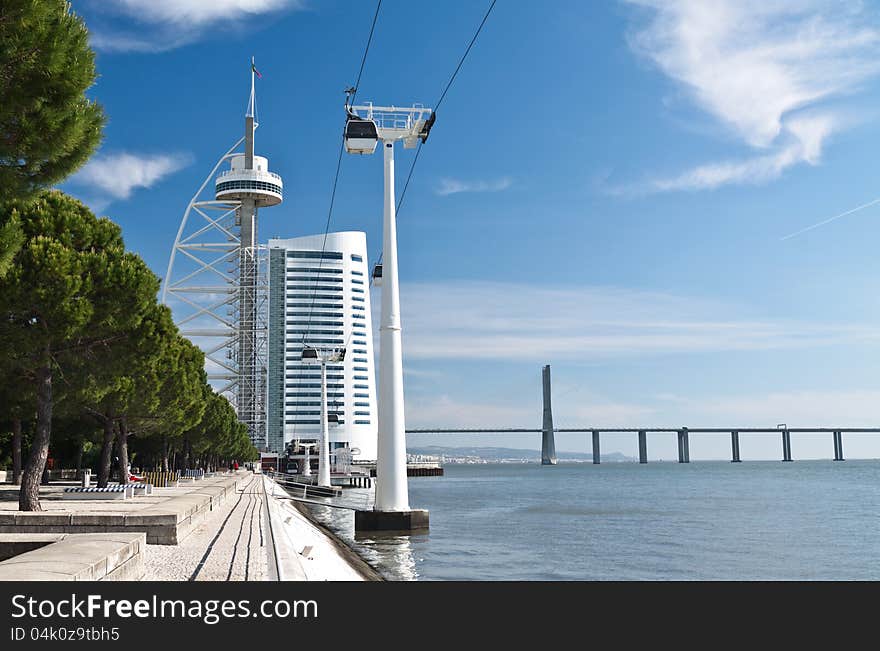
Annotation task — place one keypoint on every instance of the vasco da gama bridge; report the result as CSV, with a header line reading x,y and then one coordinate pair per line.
x,y
548,445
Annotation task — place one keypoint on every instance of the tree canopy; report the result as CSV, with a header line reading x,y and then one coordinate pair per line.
x,y
81,329
48,127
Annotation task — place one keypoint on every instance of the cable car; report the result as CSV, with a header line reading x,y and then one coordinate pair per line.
x,y
333,419
310,353
377,275
361,134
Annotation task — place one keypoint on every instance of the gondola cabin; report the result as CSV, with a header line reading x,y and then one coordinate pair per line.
x,y
361,135
377,275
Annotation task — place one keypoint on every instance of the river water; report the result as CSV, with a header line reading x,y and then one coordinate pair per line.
x,y
709,520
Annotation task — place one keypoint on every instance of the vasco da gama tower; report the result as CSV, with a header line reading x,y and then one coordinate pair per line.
x,y
319,296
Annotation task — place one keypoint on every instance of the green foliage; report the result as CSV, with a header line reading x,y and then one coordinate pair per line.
x,y
76,303
11,239
72,288
48,128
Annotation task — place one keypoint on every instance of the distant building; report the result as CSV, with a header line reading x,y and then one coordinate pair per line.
x,y
319,295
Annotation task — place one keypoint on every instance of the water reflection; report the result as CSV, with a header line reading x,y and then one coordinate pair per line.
x,y
393,556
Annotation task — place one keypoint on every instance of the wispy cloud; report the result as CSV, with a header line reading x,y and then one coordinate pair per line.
x,y
116,176
455,186
514,322
763,69
167,24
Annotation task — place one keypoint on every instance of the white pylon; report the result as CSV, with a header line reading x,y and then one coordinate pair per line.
x,y
391,124
322,355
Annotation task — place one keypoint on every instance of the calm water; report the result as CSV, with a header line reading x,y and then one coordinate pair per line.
x,y
815,520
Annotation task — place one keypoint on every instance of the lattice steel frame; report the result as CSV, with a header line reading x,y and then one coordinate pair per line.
x,y
209,314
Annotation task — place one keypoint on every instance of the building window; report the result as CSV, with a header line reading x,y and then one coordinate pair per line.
x,y
357,316
357,273
361,368
361,422
315,255
309,306
316,270
357,258
321,323
359,341
361,386
316,297
357,290
362,360
361,395
357,282
361,377
362,404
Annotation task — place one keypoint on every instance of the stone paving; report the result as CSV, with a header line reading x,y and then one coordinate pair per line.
x,y
229,544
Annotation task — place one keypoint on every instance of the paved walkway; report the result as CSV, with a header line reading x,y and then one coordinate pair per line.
x,y
229,544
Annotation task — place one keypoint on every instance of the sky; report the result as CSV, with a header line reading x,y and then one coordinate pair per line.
x,y
617,189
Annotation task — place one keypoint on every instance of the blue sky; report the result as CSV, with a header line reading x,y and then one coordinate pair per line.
x,y
606,189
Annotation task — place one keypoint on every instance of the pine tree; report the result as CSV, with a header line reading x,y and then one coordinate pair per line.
x,y
48,128
72,292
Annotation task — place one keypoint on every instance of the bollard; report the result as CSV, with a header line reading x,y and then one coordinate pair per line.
x,y
86,478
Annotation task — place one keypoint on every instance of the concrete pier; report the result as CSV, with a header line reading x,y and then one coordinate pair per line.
x,y
734,447
548,443
838,446
786,445
643,447
684,451
596,454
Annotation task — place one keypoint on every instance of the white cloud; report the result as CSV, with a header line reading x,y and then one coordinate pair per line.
x,y
454,186
504,321
755,66
118,175
167,24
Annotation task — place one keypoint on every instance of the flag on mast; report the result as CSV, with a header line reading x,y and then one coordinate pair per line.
x,y
254,69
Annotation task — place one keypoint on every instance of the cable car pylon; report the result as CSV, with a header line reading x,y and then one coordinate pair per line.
x,y
367,125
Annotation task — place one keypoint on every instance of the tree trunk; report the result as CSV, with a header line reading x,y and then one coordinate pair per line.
x,y
122,450
165,454
29,494
79,455
16,451
106,454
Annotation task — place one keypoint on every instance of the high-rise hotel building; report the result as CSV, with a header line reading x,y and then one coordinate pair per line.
x,y
319,295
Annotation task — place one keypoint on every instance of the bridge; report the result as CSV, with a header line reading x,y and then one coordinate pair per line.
x,y
548,447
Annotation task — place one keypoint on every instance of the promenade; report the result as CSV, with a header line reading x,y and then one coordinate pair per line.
x,y
222,528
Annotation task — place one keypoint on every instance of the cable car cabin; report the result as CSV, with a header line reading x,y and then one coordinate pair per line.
x,y
310,353
333,419
361,135
377,275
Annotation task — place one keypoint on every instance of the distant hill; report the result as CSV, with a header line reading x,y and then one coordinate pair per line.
x,y
496,455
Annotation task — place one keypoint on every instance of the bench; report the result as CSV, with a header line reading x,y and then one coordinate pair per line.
x,y
95,493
